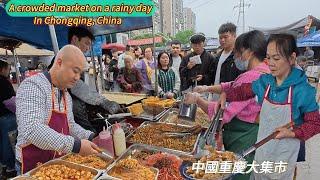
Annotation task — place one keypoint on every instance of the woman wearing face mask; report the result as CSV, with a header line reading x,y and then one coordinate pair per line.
x,y
286,96
240,119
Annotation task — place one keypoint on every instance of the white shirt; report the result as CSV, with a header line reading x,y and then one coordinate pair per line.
x,y
176,61
222,59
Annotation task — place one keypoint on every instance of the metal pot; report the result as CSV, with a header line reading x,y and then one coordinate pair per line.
x,y
188,111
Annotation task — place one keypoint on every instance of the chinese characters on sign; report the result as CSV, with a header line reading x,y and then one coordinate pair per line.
x,y
241,167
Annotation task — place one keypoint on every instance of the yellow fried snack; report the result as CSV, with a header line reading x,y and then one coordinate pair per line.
x,y
157,102
91,161
61,172
136,109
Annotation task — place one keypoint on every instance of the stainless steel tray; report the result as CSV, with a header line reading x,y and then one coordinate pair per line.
x,y
136,148
175,111
124,155
150,117
107,158
124,98
172,150
22,178
168,118
95,172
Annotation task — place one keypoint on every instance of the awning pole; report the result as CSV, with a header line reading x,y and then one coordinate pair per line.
x,y
101,74
15,66
54,40
94,68
154,58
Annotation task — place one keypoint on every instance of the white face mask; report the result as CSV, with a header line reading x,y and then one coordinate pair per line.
x,y
242,65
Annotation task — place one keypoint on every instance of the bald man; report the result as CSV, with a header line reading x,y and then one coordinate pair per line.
x,y
46,126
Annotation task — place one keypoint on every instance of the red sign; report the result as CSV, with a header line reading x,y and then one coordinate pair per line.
x,y
144,41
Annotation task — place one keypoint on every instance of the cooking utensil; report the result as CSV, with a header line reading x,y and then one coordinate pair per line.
x,y
209,135
188,111
184,131
262,142
185,134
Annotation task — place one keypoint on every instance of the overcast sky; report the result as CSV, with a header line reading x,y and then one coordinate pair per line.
x,y
261,13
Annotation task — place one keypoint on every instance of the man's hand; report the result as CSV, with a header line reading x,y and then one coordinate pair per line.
x,y
284,133
87,148
111,106
191,64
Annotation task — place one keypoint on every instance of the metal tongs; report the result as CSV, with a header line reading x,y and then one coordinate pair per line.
x,y
215,126
193,130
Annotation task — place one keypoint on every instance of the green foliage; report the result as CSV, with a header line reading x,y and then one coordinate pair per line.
x,y
184,36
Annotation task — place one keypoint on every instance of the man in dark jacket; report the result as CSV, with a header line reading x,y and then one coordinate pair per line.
x,y
225,68
194,69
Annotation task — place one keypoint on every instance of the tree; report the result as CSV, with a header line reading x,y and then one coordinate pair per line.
x,y
184,36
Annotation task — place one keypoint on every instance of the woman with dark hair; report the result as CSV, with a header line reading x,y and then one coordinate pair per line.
x,y
285,97
240,119
138,54
168,78
7,121
146,67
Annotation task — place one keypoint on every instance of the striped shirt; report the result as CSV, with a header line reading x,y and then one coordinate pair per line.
x,y
169,81
34,106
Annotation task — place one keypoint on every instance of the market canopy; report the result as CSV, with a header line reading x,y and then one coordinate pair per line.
x,y
296,28
23,29
309,40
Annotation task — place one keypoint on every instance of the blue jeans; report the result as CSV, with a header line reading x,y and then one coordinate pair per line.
x,y
7,123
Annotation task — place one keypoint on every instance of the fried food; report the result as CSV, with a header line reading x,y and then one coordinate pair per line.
x,y
152,134
136,109
201,119
167,164
61,172
131,169
141,155
91,161
213,156
153,101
